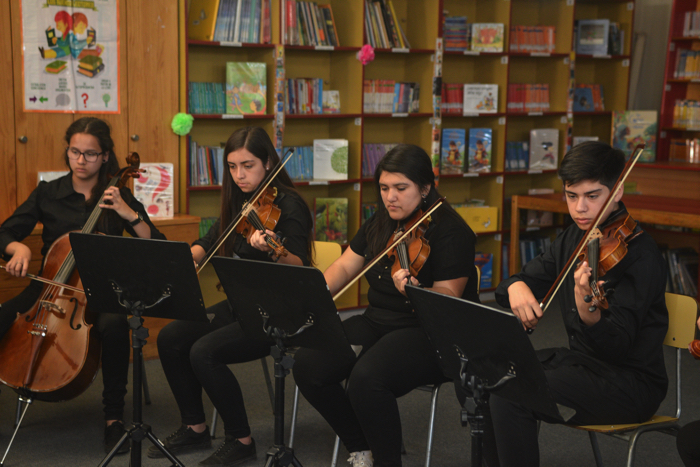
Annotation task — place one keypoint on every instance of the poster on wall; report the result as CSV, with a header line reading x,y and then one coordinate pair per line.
x,y
70,53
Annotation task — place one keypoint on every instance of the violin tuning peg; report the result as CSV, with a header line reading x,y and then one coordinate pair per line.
x,y
592,309
588,298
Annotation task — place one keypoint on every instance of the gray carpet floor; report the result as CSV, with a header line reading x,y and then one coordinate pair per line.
x,y
70,433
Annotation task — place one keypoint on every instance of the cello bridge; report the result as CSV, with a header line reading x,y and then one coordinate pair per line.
x,y
52,306
39,330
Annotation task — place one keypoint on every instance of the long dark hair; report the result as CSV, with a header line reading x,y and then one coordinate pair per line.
x,y
258,143
101,131
414,163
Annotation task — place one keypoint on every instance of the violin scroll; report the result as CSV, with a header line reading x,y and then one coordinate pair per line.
x,y
694,348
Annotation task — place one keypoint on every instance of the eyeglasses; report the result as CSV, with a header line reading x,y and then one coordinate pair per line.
x,y
90,156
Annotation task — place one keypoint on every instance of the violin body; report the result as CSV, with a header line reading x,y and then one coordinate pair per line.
x,y
413,251
63,362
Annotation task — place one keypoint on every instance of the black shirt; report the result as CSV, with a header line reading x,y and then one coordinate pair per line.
x,y
294,225
452,248
61,209
625,346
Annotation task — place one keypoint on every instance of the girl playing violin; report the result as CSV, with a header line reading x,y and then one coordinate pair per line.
x,y
394,355
64,205
613,371
195,355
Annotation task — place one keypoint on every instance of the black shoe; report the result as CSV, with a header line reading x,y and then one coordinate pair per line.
x,y
113,433
232,452
183,440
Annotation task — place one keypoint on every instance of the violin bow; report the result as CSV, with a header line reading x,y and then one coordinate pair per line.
x,y
547,300
245,210
49,281
376,259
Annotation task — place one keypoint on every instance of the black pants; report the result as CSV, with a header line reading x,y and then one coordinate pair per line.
x,y
595,399
392,362
195,355
114,336
688,445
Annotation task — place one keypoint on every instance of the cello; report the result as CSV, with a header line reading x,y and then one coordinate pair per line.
x,y
51,353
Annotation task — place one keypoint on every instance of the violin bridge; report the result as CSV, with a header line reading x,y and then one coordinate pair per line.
x,y
596,233
52,306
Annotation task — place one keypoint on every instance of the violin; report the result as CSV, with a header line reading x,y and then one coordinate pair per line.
x,y
591,233
51,352
254,221
412,252
604,251
694,348
392,244
264,216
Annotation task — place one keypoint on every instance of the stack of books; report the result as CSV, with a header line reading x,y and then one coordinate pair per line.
x,y
456,33
301,166
533,39
528,97
207,98
306,23
235,21
372,153
90,65
303,96
206,165
382,26
388,96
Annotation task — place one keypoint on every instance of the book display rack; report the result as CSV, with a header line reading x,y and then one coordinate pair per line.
x,y
421,23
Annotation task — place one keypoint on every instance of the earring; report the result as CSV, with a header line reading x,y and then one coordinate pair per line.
x,y
424,195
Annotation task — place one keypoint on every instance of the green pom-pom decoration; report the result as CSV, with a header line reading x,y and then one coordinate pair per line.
x,y
182,124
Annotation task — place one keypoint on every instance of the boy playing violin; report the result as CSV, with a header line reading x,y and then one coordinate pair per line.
x,y
613,371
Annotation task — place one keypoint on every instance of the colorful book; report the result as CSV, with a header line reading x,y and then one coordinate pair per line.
x,y
480,98
592,36
484,261
202,19
246,88
90,62
583,99
55,67
480,149
331,159
452,152
544,148
91,73
487,37
331,102
331,220
633,127
155,189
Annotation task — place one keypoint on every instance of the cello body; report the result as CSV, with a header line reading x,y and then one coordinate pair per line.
x,y
51,352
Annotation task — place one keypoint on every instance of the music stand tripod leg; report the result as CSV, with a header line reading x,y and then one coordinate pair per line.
x,y
280,455
26,401
138,430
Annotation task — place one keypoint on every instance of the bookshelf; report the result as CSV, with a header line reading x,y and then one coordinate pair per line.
x,y
422,22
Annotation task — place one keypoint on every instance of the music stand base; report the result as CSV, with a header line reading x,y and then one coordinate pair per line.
x,y
281,456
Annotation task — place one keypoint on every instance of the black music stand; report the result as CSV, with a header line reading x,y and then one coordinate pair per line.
x,y
138,277
271,303
486,350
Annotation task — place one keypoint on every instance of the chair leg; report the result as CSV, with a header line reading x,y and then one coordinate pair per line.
x,y
214,420
431,426
18,413
270,389
295,409
596,449
144,379
336,448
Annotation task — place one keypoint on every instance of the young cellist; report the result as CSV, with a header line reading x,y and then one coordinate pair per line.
x,y
62,206
195,355
394,355
613,371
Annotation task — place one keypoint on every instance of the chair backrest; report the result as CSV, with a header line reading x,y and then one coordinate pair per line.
x,y
325,254
478,278
682,315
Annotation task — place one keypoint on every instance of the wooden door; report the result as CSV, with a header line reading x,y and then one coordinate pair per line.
x,y
153,97
8,174
43,132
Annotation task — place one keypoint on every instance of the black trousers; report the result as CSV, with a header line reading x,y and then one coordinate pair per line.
x,y
114,336
595,399
392,362
195,355
688,445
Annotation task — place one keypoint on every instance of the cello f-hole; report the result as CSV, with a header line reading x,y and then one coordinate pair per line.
x,y
72,316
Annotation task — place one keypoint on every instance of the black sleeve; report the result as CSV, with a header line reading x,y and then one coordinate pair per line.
x,y
295,226
20,224
452,250
210,238
358,244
